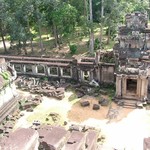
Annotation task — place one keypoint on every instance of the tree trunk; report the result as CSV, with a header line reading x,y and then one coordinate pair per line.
x,y
55,34
3,39
108,36
24,48
85,10
28,25
102,15
31,42
91,47
39,28
40,36
19,47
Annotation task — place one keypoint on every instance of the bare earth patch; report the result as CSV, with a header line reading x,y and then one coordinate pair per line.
x,y
80,114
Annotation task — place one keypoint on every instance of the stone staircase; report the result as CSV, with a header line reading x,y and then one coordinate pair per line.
x,y
131,104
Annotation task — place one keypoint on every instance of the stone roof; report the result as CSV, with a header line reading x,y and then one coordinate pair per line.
x,y
75,141
52,137
20,139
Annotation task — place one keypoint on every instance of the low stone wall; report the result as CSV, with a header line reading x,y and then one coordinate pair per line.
x,y
83,70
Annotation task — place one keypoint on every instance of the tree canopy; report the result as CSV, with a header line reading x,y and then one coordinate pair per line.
x,y
22,21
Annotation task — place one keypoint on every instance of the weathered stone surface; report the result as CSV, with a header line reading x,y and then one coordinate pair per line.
x,y
21,139
74,127
76,141
84,103
146,143
91,140
1,130
8,125
104,102
29,110
54,138
96,107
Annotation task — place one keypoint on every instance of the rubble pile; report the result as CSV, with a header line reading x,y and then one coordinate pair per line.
x,y
30,102
37,86
7,125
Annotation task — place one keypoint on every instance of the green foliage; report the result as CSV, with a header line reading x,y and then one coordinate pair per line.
x,y
72,97
65,18
5,75
73,48
18,17
96,44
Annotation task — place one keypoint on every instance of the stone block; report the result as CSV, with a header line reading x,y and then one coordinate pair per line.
x,y
96,107
85,103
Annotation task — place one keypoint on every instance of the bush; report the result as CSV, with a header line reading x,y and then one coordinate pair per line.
x,y
73,48
96,44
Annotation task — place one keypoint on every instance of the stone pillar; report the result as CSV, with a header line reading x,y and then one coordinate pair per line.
x,y
118,85
24,69
34,69
139,85
61,71
91,75
124,86
144,87
98,73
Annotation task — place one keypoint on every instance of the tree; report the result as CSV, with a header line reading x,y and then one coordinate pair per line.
x,y
3,22
64,20
91,48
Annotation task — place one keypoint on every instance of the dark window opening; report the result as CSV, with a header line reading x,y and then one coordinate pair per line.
x,y
40,69
131,85
66,72
17,67
86,76
54,71
28,68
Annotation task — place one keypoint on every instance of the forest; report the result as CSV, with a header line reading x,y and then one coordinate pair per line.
x,y
30,27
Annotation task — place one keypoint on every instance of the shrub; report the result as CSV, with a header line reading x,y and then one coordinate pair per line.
x,y
73,48
96,44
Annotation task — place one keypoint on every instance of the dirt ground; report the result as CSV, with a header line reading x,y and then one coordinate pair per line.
x,y
124,133
80,114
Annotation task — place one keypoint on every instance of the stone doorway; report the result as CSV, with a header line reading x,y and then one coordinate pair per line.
x,y
131,86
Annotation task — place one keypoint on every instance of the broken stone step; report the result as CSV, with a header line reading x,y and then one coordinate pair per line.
x,y
130,107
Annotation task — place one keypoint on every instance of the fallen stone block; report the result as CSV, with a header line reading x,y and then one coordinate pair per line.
x,y
96,107
29,110
85,103
103,102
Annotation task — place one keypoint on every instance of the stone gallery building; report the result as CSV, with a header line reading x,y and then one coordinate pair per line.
x,y
132,55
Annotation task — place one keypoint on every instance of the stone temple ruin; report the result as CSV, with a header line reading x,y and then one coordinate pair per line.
x,y
132,54
8,93
130,72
